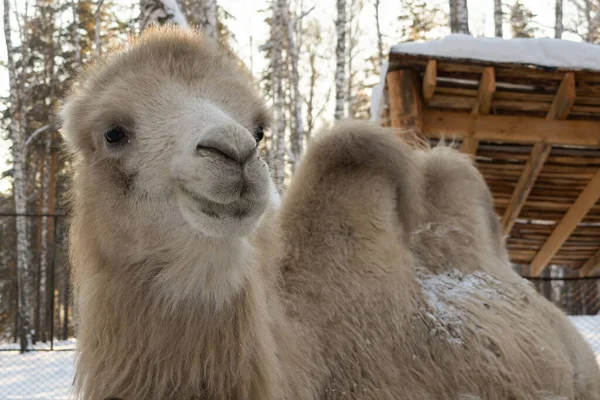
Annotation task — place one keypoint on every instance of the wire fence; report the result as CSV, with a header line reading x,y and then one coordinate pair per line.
x,y
46,371
45,287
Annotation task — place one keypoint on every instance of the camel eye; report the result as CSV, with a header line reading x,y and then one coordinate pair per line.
x,y
259,133
115,134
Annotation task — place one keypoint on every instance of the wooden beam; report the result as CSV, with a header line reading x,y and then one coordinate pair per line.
x,y
586,200
590,265
487,88
469,145
563,100
534,165
504,128
394,94
406,103
482,106
429,80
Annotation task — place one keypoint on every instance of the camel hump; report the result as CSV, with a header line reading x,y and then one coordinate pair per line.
x,y
360,161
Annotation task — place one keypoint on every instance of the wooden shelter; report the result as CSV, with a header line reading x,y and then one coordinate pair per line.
x,y
535,134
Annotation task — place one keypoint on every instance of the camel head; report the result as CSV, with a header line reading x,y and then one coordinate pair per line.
x,y
166,131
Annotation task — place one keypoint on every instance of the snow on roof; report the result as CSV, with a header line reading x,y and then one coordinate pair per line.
x,y
377,93
546,52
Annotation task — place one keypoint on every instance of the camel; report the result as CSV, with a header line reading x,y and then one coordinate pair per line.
x,y
374,277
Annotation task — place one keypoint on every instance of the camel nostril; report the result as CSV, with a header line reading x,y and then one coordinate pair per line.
x,y
223,151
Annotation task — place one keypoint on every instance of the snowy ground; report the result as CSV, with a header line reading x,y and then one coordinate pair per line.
x,y
37,375
589,326
47,375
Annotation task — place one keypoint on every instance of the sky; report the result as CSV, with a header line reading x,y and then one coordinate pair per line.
x,y
250,32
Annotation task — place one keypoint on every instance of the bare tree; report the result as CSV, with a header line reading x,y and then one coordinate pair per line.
x,y
204,13
353,33
77,37
558,25
97,26
340,54
378,30
277,75
459,16
314,43
586,20
297,134
160,12
520,21
19,155
498,18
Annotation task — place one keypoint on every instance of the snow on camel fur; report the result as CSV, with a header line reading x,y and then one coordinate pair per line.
x,y
191,285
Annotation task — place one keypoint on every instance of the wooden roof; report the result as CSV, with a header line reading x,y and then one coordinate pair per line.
x,y
535,135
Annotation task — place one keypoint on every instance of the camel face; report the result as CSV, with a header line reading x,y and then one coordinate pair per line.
x,y
221,184
171,125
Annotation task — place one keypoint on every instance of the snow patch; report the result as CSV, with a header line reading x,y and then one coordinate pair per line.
x,y
172,8
377,93
58,345
39,375
589,327
443,292
557,53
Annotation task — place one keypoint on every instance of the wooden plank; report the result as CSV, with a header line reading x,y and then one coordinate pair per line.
x,y
429,80
585,201
503,128
406,103
469,145
483,105
394,93
534,165
563,100
487,87
590,265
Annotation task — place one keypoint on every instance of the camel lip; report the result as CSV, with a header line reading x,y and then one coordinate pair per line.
x,y
235,209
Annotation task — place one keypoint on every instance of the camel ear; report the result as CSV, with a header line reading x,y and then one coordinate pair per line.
x,y
68,116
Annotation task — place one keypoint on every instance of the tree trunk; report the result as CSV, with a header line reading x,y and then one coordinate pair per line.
x,y
278,94
159,12
314,75
297,135
379,37
54,220
97,26
76,36
558,24
459,16
350,56
453,16
39,295
463,17
498,18
19,154
340,53
205,14
66,299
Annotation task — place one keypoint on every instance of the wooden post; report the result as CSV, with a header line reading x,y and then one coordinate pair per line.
x,y
482,106
406,103
586,200
429,80
563,100
590,265
534,165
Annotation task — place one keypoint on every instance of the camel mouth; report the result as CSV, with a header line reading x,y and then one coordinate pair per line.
x,y
237,209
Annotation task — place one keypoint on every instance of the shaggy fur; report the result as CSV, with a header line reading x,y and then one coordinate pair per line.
x,y
382,276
